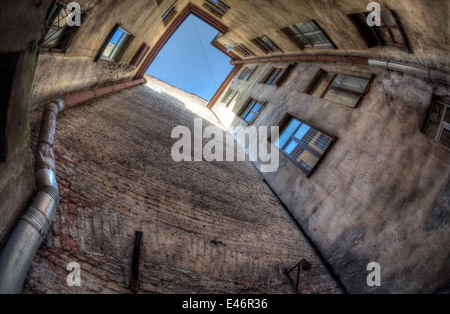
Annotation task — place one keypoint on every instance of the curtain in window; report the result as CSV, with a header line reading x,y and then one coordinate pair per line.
x,y
303,144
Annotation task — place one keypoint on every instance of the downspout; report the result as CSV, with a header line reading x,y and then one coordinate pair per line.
x,y
428,73
432,74
26,238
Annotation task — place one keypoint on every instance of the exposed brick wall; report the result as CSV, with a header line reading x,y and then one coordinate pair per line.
x,y
116,175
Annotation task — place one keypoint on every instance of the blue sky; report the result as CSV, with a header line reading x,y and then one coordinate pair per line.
x,y
189,62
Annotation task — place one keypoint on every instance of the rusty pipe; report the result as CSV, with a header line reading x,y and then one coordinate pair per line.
x,y
80,97
305,58
413,69
26,238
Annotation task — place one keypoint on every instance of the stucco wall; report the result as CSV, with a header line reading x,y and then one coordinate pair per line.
x,y
18,63
423,23
381,193
61,73
202,233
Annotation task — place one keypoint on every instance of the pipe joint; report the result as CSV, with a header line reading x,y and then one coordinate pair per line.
x,y
38,220
45,178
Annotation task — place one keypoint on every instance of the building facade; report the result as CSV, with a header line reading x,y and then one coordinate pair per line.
x,y
362,111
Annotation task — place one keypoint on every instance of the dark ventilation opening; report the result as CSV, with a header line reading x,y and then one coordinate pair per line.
x,y
8,63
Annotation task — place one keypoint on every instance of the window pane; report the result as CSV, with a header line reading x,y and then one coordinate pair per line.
x,y
290,148
321,85
397,36
272,76
57,29
117,36
447,115
342,98
120,45
385,35
246,111
320,142
257,107
314,38
307,160
350,82
250,117
388,18
445,137
287,132
295,31
302,131
267,41
307,27
434,120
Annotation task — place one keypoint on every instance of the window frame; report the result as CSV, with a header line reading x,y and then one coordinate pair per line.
x,y
265,47
218,8
121,48
282,126
295,40
442,123
243,51
245,75
321,74
280,77
139,55
369,33
169,14
227,95
257,114
65,40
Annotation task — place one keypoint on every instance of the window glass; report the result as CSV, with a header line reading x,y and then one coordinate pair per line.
x,y
291,127
116,44
445,137
303,144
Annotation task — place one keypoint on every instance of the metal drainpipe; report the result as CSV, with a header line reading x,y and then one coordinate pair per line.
x,y
27,236
431,74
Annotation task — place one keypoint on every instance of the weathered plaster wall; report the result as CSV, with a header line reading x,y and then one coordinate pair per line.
x,y
18,64
59,73
202,232
424,24
381,194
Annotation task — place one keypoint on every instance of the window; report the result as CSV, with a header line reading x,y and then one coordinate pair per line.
x,y
169,14
340,88
57,34
278,75
308,35
216,7
229,96
115,45
246,73
266,44
244,51
388,34
140,54
437,124
302,144
252,110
